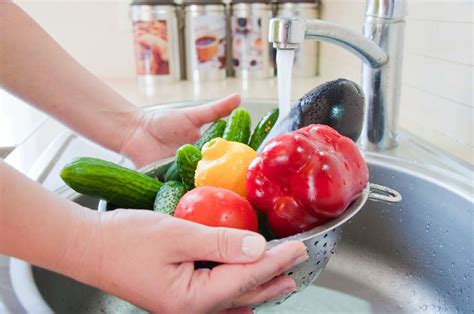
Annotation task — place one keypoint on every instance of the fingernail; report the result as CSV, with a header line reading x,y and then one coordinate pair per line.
x,y
253,246
300,259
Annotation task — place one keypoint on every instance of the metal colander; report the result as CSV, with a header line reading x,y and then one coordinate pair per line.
x,y
320,242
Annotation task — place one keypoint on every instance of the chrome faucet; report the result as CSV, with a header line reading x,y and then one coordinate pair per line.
x,y
381,49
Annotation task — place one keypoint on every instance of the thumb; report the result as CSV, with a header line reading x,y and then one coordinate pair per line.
x,y
200,115
224,245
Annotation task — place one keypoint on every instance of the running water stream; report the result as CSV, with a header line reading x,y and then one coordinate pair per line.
x,y
284,60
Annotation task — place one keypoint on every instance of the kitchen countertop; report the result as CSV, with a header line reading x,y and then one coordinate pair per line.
x,y
186,90
19,120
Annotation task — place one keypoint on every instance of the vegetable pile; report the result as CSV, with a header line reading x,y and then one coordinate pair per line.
x,y
206,183
298,180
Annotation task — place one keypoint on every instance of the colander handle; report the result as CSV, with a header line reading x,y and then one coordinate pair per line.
x,y
382,193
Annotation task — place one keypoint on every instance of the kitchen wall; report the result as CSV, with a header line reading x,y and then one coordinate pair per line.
x,y
96,32
437,83
437,94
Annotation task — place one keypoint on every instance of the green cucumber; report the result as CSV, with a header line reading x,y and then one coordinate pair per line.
x,y
168,197
238,127
187,158
118,185
263,128
215,130
172,172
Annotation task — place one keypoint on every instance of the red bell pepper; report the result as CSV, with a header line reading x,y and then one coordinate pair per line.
x,y
304,178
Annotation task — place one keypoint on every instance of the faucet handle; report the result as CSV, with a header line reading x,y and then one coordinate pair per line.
x,y
286,33
387,9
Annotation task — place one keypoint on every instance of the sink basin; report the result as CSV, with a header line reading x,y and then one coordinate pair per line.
x,y
415,256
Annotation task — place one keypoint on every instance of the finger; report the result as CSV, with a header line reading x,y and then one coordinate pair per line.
x,y
200,115
240,310
229,281
225,245
275,288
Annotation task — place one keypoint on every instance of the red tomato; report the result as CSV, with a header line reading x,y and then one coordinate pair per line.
x,y
217,207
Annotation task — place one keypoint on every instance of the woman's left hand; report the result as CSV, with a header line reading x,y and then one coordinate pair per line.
x,y
160,133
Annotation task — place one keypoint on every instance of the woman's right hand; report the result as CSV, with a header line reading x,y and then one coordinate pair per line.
x,y
148,259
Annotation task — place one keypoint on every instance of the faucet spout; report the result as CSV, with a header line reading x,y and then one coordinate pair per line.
x,y
363,47
288,33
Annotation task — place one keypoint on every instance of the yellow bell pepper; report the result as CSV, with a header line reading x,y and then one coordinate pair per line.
x,y
224,164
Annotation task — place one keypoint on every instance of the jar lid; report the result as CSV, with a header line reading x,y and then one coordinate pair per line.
x,y
298,1
202,2
251,1
153,2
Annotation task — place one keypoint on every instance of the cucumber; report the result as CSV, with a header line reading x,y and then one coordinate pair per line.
x,y
168,197
172,172
187,158
263,128
238,127
215,130
118,185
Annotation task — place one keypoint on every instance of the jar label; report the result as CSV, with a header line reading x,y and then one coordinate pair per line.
x,y
247,43
151,47
209,37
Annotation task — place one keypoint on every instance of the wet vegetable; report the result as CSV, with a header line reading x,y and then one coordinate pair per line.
x,y
304,178
217,207
238,127
338,104
168,197
263,127
187,158
224,164
118,185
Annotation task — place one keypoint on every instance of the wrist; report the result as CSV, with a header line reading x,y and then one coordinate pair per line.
x,y
83,250
133,129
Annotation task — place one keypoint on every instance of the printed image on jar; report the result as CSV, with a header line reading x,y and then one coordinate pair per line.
x,y
151,47
247,43
209,41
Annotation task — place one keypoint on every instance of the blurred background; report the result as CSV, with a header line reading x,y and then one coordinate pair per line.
x,y
437,94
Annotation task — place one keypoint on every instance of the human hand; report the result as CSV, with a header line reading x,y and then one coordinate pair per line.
x,y
160,133
148,259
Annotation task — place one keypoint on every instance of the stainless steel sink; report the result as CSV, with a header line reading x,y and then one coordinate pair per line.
x,y
416,256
